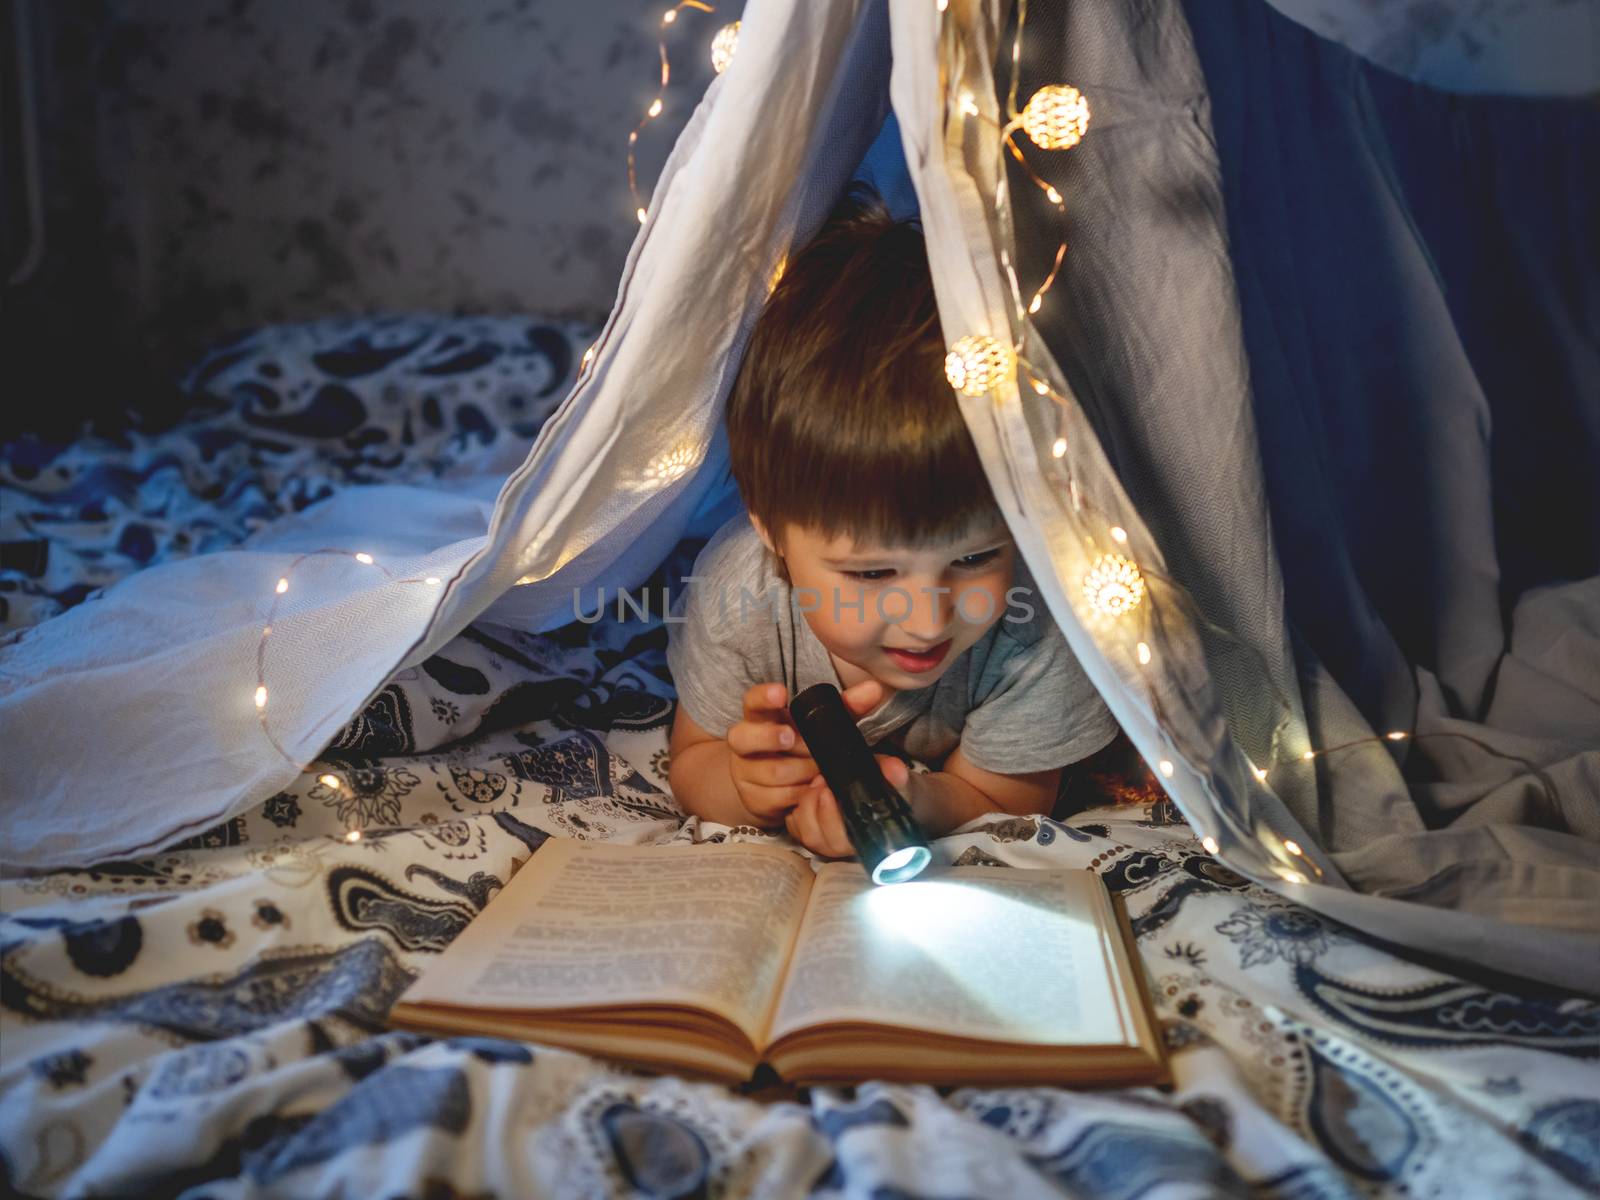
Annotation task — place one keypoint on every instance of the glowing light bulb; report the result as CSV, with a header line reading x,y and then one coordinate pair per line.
x,y
968,104
1259,772
1056,118
1397,736
283,586
1059,447
668,17
1291,847
1143,651
266,631
1052,195
1210,843
723,46
1166,768
353,836
1119,534
641,214
364,557
977,363
432,581
328,780
1290,874
655,107
1309,755
1036,304
902,865
261,697
1113,585
943,4
1041,387
588,356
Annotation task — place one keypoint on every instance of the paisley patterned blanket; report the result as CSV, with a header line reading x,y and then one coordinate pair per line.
x,y
209,1022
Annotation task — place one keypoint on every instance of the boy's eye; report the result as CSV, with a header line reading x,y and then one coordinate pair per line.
x,y
969,562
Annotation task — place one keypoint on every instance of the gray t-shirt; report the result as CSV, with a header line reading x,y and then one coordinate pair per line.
x,y
1016,701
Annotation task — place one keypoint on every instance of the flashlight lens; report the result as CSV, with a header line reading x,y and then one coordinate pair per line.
x,y
902,865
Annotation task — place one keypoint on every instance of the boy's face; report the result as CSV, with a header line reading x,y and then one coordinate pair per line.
x,y
858,614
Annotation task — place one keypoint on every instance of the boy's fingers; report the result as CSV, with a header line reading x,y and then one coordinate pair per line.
x,y
863,697
819,842
831,825
761,737
802,822
765,702
791,825
767,803
815,823
780,771
894,770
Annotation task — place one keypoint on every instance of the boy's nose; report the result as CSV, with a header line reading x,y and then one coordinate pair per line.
x,y
929,620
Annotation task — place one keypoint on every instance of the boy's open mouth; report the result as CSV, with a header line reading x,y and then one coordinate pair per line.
x,y
917,663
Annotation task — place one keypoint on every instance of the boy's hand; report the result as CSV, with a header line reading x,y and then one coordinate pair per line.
x,y
772,769
816,823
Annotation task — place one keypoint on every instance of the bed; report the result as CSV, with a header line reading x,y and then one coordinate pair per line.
x,y
210,1021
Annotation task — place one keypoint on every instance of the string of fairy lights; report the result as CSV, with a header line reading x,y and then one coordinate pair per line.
x,y
1115,588
670,466
328,779
723,45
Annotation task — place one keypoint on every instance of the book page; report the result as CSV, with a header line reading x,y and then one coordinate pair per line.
x,y
1000,954
600,924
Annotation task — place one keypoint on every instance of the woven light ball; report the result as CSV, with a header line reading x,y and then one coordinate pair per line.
x,y
1113,585
976,364
1056,117
723,46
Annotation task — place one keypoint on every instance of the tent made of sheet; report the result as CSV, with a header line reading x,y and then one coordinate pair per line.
x,y
1124,441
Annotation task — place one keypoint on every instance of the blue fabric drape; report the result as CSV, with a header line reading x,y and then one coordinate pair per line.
x,y
884,170
1372,399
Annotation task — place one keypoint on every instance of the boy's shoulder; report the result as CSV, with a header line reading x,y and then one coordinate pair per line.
x,y
1027,621
733,576
733,538
734,553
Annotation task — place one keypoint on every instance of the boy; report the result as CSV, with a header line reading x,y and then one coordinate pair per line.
x,y
873,558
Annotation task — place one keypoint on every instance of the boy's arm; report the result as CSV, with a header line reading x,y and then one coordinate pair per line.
x,y
697,773
943,800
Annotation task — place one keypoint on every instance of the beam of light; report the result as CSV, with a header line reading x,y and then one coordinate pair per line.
x,y
942,929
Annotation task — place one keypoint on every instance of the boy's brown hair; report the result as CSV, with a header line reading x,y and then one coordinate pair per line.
x,y
841,419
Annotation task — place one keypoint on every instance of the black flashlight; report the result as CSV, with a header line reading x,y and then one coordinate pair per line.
x,y
882,831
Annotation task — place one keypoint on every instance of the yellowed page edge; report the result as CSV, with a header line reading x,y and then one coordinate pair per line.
x,y
656,1053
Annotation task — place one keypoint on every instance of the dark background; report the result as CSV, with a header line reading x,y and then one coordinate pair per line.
x,y
208,166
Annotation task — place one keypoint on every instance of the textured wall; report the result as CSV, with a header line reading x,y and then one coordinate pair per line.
x,y
213,165
216,164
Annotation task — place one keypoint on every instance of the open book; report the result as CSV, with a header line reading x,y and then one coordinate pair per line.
x,y
713,959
